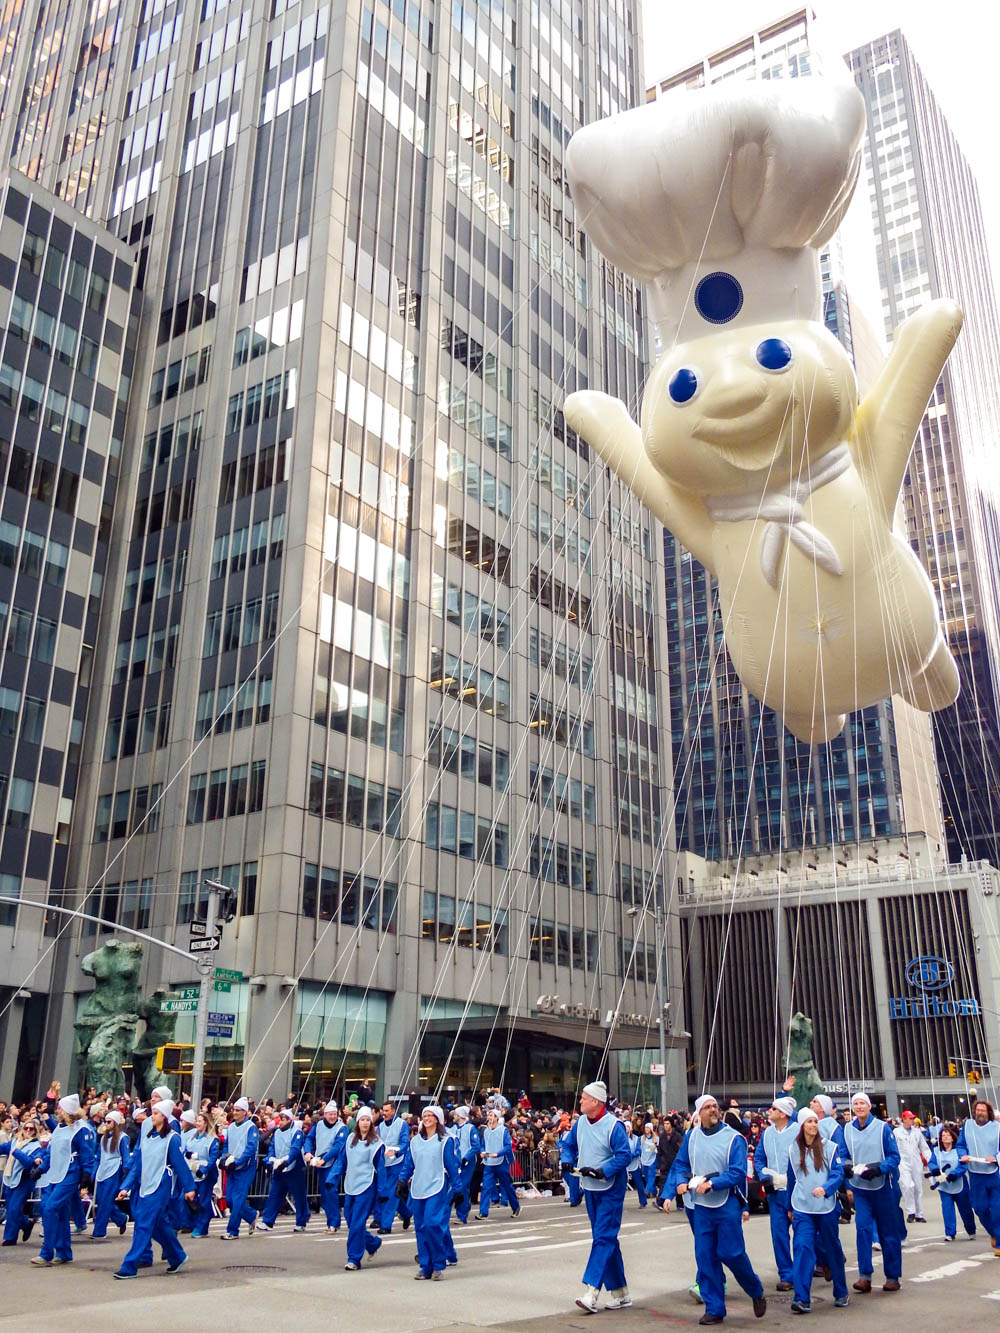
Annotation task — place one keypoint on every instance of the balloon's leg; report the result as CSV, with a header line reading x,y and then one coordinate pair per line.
x,y
814,730
937,685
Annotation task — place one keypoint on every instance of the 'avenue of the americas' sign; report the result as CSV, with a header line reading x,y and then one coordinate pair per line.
x,y
930,974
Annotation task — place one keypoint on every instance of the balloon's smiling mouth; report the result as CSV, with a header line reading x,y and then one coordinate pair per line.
x,y
749,442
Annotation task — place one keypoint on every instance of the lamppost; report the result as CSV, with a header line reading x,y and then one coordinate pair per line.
x,y
636,913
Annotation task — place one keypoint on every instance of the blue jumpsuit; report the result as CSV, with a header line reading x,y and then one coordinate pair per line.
x,y
395,1135
876,1201
602,1144
686,1205
78,1209
816,1217
113,1164
953,1184
647,1163
469,1145
241,1143
498,1158
771,1155
158,1161
635,1167
571,1180
176,1218
324,1141
287,1179
432,1167
362,1165
72,1156
984,1177
202,1150
17,1184
721,1154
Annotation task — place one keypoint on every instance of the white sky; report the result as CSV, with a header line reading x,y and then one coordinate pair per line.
x,y
956,43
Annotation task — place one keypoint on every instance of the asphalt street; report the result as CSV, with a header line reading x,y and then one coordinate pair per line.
x,y
521,1275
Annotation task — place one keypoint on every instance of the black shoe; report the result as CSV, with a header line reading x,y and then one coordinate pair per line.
x,y
920,1219
799,1308
27,1229
10,1242
406,1223
760,1307
385,1231
909,1217
785,1286
711,1319
121,1229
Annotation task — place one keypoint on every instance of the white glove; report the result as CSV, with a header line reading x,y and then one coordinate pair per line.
x,y
695,1181
317,1162
779,1179
278,1163
230,1160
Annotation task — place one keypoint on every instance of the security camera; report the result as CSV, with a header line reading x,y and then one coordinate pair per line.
x,y
632,911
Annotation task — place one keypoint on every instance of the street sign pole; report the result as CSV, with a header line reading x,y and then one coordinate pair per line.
x,y
203,962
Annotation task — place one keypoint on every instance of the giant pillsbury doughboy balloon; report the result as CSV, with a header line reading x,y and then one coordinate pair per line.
x,y
753,448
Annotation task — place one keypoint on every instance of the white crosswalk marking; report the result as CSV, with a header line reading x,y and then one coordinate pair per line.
x,y
947,1270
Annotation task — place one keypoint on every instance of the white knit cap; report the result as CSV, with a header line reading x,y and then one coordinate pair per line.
x,y
330,1108
162,1093
165,1107
70,1104
702,1100
861,1097
363,1113
824,1101
598,1090
462,1112
189,1116
786,1105
287,1112
435,1110
115,1117
241,1104
96,1110
807,1113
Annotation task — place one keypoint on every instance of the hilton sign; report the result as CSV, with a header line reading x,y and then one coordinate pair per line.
x,y
930,974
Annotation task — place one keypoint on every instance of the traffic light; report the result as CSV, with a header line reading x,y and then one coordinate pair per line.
x,y
952,1069
974,1076
174,1059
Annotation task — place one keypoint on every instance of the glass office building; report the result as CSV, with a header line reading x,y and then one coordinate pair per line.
x,y
379,638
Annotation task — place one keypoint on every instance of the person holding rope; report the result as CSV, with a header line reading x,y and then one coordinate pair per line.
x,y
711,1166
770,1160
429,1176
23,1165
469,1145
361,1162
321,1150
815,1174
979,1150
157,1163
72,1160
201,1148
498,1158
288,1173
647,1159
113,1164
239,1150
874,1156
394,1132
597,1144
951,1177
633,1129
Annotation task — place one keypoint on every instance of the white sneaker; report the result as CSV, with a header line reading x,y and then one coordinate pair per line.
x,y
261,1226
620,1300
588,1301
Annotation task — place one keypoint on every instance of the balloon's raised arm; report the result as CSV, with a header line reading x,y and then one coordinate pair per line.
x,y
606,426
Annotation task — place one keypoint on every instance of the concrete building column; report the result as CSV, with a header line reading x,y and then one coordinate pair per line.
x,y
10,1041
880,982
267,1058
400,1033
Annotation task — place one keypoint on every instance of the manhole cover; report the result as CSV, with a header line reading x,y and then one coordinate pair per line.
x,y
254,1268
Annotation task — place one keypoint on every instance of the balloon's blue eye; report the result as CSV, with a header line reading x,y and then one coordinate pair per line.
x,y
683,385
774,354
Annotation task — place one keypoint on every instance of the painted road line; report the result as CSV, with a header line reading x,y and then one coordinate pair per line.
x,y
565,1245
947,1270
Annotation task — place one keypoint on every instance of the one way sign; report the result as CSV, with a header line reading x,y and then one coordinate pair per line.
x,y
201,928
204,946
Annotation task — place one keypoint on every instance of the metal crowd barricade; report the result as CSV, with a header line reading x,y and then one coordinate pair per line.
x,y
262,1184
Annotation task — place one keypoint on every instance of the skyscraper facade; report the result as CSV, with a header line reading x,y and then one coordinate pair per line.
x,y
930,243
744,785
378,638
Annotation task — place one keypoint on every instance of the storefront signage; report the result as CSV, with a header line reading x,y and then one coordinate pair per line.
x,y
930,974
552,1008
860,1085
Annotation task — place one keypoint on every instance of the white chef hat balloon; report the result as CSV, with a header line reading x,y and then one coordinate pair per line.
x,y
722,215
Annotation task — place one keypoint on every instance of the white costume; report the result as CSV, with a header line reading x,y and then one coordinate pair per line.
x,y
914,1154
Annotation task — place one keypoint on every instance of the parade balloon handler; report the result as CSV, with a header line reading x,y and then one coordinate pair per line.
x,y
288,1173
157,1163
712,1167
815,1174
114,1162
361,1162
951,1178
685,1201
239,1153
647,1159
873,1155
430,1176
597,1145
470,1146
979,1150
753,448
633,1130
770,1160
25,1162
201,1147
322,1148
498,1158
394,1132
72,1163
